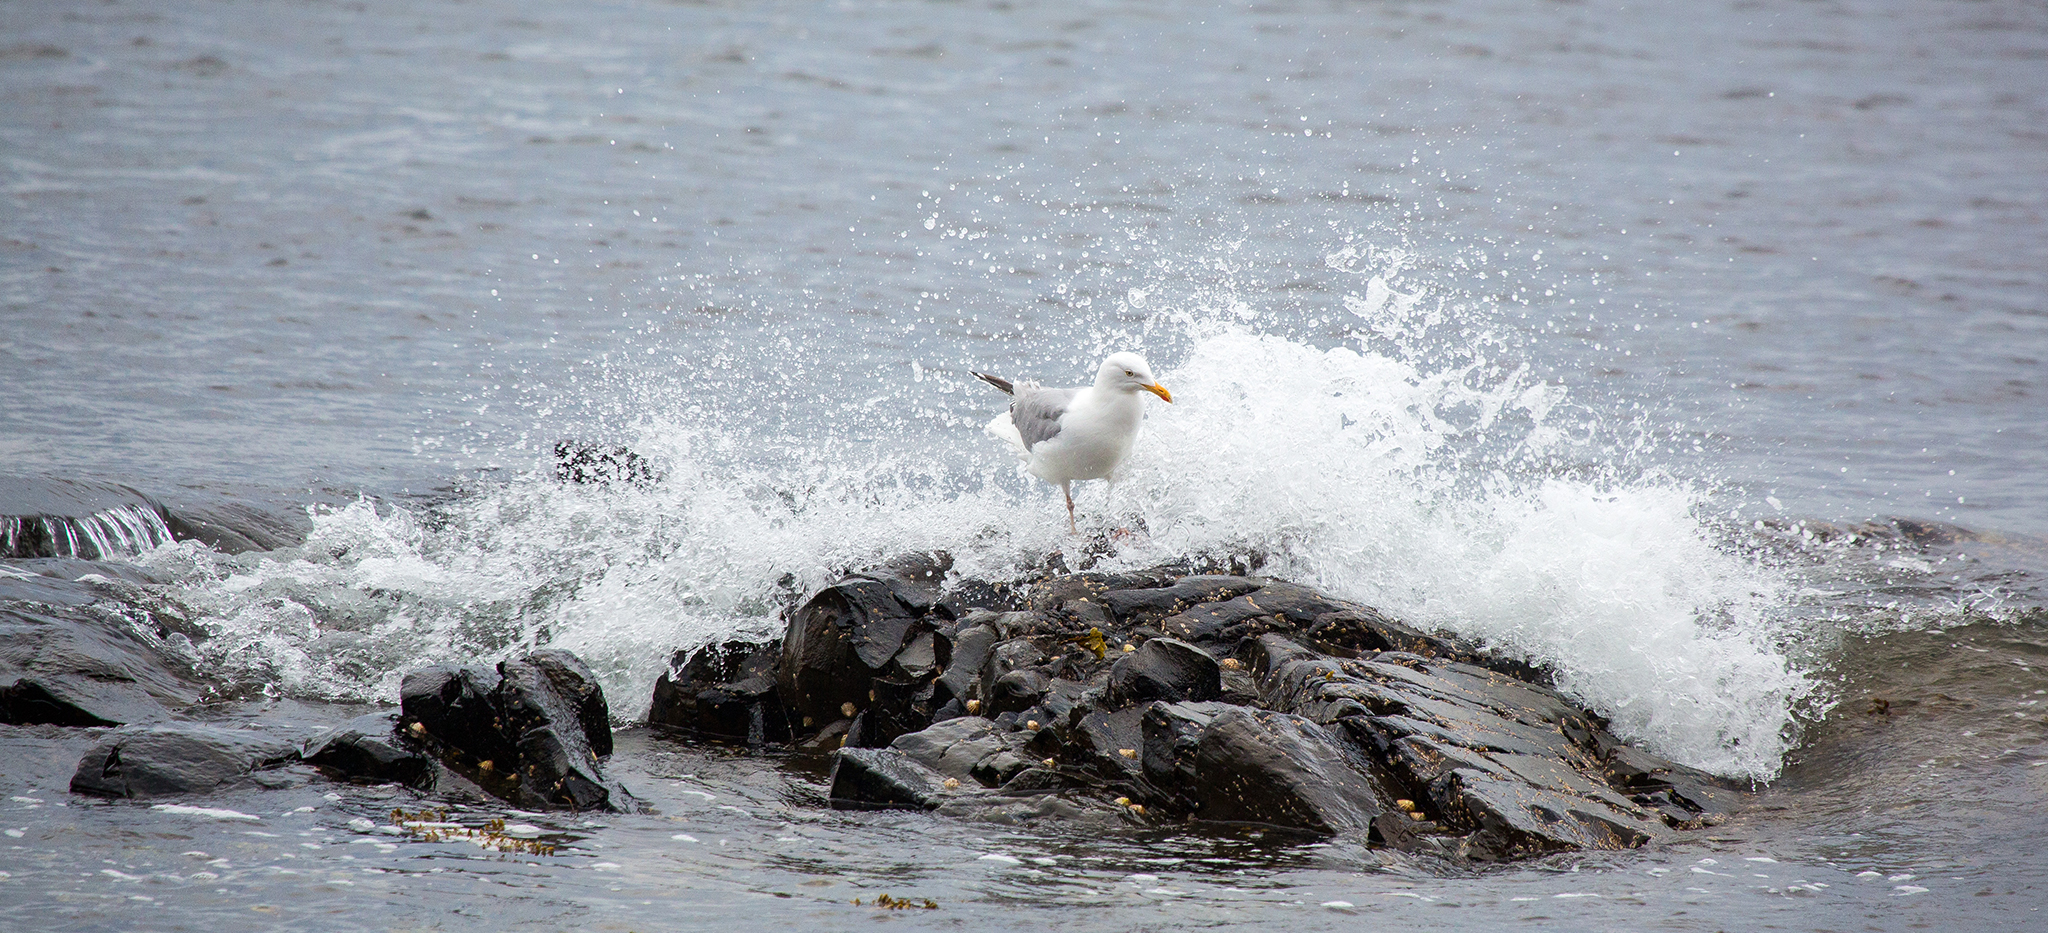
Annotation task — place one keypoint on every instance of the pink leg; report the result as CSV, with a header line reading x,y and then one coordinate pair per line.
x,y
1068,489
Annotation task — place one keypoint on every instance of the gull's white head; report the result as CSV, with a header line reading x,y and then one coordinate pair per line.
x,y
1128,372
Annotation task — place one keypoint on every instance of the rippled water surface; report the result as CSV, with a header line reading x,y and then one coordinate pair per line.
x,y
1694,351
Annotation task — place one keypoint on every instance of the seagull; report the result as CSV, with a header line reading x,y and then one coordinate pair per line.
x,y
1076,433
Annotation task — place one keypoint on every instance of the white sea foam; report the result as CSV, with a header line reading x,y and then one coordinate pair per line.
x,y
1457,495
211,813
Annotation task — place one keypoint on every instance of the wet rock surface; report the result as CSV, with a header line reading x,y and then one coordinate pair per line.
x,y
80,665
87,644
1185,698
186,759
727,691
533,731
1158,697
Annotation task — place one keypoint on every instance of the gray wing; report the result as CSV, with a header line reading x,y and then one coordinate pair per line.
x,y
1036,413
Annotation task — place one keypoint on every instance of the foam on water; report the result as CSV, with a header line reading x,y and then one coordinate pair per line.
x,y
1444,487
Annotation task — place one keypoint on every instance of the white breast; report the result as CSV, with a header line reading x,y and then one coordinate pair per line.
x,y
1096,434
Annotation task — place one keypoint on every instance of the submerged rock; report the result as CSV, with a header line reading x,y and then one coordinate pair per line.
x,y
155,761
54,517
1187,697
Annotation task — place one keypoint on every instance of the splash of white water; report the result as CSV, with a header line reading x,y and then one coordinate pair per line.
x,y
1374,478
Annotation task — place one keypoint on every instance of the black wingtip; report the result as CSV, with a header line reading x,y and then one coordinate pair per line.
x,y
997,381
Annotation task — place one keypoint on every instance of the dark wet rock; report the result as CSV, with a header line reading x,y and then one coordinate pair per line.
x,y
725,691
1281,770
1165,669
1684,797
952,748
532,732
1240,700
882,779
590,463
965,596
1512,819
74,702
1273,607
1063,699
1170,735
1009,657
1365,629
53,517
80,666
371,749
973,642
570,680
896,705
834,735
1149,605
1017,691
918,770
1100,743
918,577
548,701
455,706
1402,831
968,749
157,761
851,634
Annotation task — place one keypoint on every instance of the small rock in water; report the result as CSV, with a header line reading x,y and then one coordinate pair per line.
x,y
587,463
154,761
533,732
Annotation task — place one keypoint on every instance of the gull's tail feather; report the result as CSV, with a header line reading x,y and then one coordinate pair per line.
x,y
997,381
1002,427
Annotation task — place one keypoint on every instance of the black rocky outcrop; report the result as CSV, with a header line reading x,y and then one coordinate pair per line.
x,y
723,691
531,731
1169,697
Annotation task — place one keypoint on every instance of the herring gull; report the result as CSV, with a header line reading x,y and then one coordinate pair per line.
x,y
1076,433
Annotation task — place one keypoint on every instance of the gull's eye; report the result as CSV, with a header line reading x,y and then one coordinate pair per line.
x,y
1129,373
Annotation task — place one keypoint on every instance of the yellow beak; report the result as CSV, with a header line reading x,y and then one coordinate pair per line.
x,y
1159,390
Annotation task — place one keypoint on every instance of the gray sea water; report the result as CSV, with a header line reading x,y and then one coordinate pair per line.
x,y
1620,335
